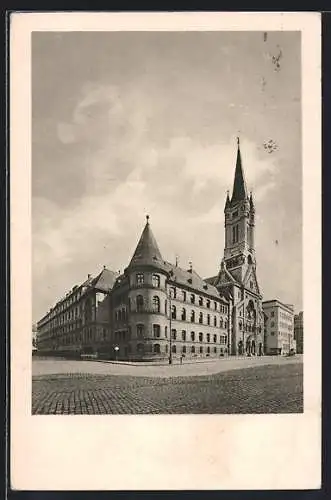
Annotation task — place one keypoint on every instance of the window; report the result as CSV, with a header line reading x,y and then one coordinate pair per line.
x,y
208,319
215,338
251,285
173,349
221,323
272,323
156,304
173,292
215,305
156,280
184,349
183,335
192,316
272,333
156,331
215,321
200,318
272,314
225,324
208,337
192,349
183,314
140,302
174,334
192,298
208,303
201,349
222,339
140,279
215,350
166,332
166,348
184,295
208,350
192,336
140,331
200,337
200,301
173,312
156,348
235,233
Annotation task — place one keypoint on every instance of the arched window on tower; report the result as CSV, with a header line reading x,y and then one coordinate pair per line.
x,y
156,304
192,316
173,312
156,280
183,314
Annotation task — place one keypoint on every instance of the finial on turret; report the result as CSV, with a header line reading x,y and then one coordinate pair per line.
x,y
238,141
191,266
147,219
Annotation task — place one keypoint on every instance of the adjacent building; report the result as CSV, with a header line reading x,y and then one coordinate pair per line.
x,y
80,321
298,332
279,327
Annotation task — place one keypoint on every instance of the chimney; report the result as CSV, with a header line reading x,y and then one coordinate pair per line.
x,y
88,276
104,266
190,268
176,260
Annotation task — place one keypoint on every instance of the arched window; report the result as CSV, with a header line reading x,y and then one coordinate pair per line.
x,y
192,336
215,321
140,331
240,325
156,304
123,314
221,323
166,348
208,303
184,348
201,349
225,324
215,338
192,298
140,302
200,318
200,337
156,348
166,332
173,349
192,349
156,280
215,350
156,331
183,314
183,335
208,337
200,301
173,312
192,316
208,350
174,334
208,319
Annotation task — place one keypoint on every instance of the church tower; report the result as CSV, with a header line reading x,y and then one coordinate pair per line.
x,y
237,277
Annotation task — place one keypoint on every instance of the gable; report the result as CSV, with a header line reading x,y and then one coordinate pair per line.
x,y
250,281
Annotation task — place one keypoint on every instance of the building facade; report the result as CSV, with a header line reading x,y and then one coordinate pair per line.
x,y
298,332
279,327
237,278
80,321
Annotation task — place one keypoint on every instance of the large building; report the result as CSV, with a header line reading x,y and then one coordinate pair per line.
x,y
157,310
298,331
279,327
237,278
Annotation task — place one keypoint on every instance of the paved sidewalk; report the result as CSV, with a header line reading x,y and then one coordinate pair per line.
x,y
208,367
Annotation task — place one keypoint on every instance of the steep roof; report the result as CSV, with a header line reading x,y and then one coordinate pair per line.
x,y
239,191
191,279
105,280
147,251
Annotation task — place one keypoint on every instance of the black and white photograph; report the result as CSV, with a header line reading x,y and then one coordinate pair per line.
x,y
168,221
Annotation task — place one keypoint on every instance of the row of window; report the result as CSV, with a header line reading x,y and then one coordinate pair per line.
x,y
183,349
140,279
223,323
200,301
157,334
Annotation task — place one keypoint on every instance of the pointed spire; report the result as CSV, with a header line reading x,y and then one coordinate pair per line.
x,y
227,202
147,251
239,191
251,202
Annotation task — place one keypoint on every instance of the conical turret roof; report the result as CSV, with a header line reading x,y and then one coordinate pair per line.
x,y
147,251
239,191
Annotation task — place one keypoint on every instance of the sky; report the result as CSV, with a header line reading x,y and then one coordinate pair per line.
x,y
126,124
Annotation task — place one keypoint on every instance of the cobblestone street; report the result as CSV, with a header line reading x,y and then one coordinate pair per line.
x,y
272,388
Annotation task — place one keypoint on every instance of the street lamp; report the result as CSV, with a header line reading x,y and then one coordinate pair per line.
x,y
116,349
